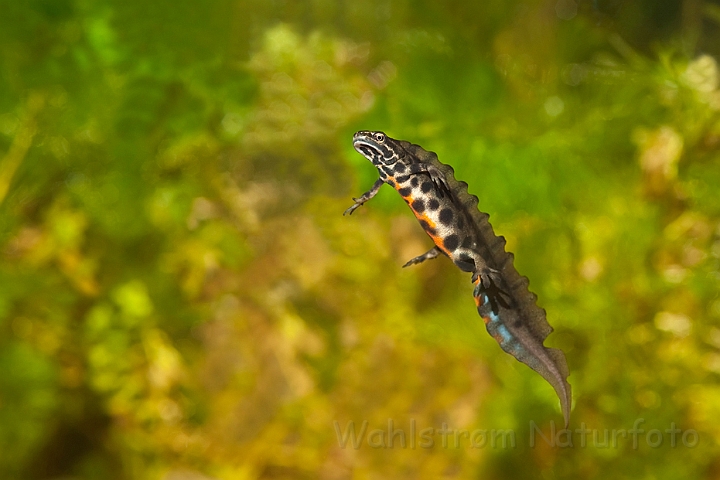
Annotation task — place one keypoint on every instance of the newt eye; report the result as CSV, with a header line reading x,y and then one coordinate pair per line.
x,y
379,137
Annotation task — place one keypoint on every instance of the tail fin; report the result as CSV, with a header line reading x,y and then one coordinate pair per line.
x,y
522,336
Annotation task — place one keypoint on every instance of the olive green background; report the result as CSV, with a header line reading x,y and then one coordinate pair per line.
x,y
182,299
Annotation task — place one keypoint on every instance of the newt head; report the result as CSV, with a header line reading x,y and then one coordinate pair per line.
x,y
377,147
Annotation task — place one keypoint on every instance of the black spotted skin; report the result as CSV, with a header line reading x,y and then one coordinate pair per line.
x,y
449,215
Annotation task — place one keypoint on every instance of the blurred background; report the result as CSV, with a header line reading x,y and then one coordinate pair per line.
x,y
182,299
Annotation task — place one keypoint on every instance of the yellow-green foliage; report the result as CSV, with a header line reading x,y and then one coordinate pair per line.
x,y
181,297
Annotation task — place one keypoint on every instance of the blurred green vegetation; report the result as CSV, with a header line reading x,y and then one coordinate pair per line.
x,y
181,298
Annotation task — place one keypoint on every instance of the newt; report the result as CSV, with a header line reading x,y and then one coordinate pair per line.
x,y
449,215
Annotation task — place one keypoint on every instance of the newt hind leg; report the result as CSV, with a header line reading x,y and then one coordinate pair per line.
x,y
430,254
486,282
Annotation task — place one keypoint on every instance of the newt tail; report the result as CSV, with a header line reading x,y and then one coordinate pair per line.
x,y
526,345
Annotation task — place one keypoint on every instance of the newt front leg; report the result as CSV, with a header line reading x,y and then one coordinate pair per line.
x,y
437,177
365,196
